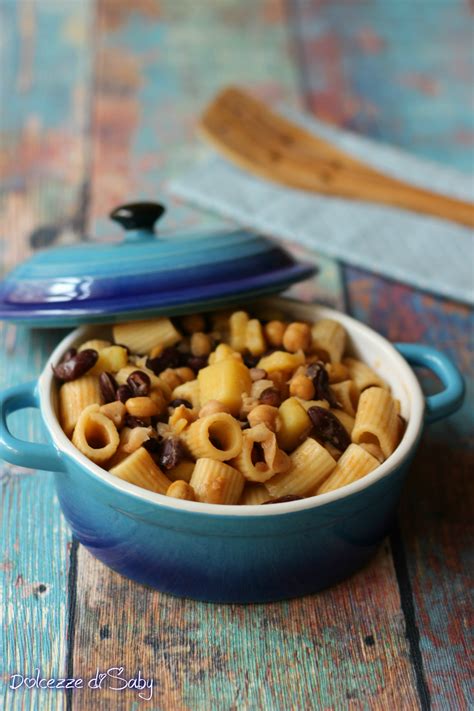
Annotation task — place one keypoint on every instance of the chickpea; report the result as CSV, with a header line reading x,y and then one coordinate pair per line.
x,y
193,323
186,374
181,490
171,378
297,337
141,407
201,344
274,331
302,386
156,394
264,414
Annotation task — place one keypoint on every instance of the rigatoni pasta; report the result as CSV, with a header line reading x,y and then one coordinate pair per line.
x,y
238,330
95,435
347,394
328,340
311,463
352,465
237,410
260,457
254,339
214,482
362,375
143,336
139,468
376,420
346,420
74,397
254,494
216,436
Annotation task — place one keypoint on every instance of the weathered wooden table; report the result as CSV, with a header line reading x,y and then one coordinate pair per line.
x,y
98,107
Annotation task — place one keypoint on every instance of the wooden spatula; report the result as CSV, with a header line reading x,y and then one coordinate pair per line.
x,y
265,143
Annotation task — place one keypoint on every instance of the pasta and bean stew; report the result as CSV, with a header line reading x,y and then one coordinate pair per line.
x,y
228,409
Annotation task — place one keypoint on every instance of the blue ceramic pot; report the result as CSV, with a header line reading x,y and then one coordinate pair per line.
x,y
236,553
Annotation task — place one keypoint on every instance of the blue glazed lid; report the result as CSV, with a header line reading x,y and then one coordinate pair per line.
x,y
145,275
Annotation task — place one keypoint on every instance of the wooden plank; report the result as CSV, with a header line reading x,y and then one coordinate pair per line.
x,y
436,514
344,648
42,165
398,71
370,69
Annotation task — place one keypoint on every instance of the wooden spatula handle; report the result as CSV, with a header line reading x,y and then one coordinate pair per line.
x,y
409,197
265,143
372,186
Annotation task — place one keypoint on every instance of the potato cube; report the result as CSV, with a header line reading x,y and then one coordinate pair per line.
x,y
295,424
226,381
222,352
280,360
110,359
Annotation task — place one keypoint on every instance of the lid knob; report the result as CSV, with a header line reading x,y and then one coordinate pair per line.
x,y
138,215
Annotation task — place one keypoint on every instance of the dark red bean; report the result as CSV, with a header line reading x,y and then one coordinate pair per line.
x,y
250,360
197,363
131,421
180,401
170,358
123,393
327,428
139,383
108,386
282,499
270,396
322,390
76,366
152,445
171,453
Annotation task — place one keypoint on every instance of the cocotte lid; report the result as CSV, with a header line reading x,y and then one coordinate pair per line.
x,y
145,274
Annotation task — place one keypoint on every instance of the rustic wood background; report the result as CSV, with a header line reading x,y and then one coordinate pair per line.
x,y
98,103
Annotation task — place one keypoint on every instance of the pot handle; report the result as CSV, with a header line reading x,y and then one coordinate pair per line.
x,y
17,451
451,398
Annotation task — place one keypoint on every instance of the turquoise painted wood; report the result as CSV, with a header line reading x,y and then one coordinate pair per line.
x,y
43,144
396,630
368,67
